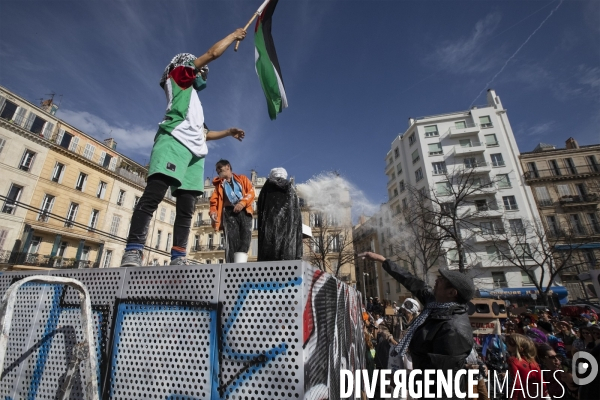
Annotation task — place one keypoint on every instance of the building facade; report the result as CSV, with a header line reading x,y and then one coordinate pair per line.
x,y
67,198
566,186
479,143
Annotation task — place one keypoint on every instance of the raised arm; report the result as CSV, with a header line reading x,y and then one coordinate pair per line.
x,y
414,285
219,48
234,132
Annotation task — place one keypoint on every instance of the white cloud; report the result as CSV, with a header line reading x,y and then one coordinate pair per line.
x,y
540,129
133,141
466,55
589,76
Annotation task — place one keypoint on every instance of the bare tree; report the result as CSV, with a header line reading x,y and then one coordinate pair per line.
x,y
542,255
331,246
462,194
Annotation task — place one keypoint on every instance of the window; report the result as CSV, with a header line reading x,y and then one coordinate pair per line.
x,y
404,204
163,212
101,190
395,192
2,143
419,174
58,172
107,259
135,201
211,239
121,197
94,219
594,223
576,224
431,130
114,226
316,220
510,203
554,167
396,152
543,196
594,167
27,160
402,186
487,228
443,188
552,225
3,235
168,246
470,162
46,208
435,149
34,247
465,143
570,166
563,190
503,181
485,122
516,226
497,160
89,150
452,256
499,279
255,224
481,205
105,159
532,171
399,168
493,253
158,238
412,139
460,125
522,251
63,139
34,123
447,208
81,180
490,140
589,258
196,242
14,194
526,279
172,219
9,110
439,168
415,156
71,214
334,243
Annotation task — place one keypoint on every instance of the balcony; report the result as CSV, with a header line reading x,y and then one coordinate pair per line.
x,y
485,188
470,129
43,261
590,200
202,223
579,171
474,148
477,167
488,210
489,235
208,248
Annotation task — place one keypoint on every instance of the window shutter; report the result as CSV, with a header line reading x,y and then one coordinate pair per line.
x,y
563,190
102,156
20,116
59,137
30,120
113,164
48,128
74,143
542,193
2,101
431,128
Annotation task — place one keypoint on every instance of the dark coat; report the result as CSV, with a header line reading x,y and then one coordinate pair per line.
x,y
445,339
279,222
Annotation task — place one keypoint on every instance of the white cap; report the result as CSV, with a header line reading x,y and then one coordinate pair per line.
x,y
411,305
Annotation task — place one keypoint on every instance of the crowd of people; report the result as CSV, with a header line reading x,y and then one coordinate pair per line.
x,y
530,341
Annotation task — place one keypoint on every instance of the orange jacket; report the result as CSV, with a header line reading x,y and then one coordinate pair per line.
x,y
216,199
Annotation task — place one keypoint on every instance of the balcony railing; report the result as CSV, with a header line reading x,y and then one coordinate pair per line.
x,y
563,172
43,261
132,176
208,248
204,222
578,199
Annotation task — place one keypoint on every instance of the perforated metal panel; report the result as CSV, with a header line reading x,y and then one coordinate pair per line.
x,y
276,330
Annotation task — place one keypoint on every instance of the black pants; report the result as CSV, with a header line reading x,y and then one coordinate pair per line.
x,y
153,194
238,232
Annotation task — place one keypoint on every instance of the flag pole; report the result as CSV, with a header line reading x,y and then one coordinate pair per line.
x,y
256,14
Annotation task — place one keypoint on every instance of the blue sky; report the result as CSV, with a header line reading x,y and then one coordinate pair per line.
x,y
354,72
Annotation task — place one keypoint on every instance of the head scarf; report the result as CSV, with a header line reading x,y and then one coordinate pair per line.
x,y
179,60
278,173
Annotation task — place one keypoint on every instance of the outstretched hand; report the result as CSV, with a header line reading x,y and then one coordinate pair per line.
x,y
371,256
237,133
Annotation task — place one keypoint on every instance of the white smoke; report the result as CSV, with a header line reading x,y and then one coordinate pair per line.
x,y
331,194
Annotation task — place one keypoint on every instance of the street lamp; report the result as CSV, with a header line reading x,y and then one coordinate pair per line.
x,y
364,290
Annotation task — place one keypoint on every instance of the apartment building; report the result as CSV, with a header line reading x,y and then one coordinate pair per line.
x,y
371,279
478,142
566,186
67,198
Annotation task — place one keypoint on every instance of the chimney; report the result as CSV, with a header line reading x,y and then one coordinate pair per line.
x,y
493,100
49,106
572,143
110,142
253,176
411,121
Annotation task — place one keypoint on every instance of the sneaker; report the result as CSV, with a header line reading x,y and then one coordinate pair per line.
x,y
132,258
184,261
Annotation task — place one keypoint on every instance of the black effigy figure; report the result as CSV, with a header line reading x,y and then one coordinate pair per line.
x,y
279,219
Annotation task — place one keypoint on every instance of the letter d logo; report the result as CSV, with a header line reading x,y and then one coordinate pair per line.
x,y
585,368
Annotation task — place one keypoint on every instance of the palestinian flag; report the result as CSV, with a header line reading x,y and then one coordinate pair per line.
x,y
267,65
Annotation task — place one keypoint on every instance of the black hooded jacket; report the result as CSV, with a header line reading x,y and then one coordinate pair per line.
x,y
445,339
279,222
